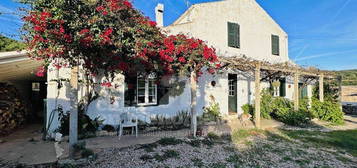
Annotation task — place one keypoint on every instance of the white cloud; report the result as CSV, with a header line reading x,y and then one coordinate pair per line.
x,y
325,55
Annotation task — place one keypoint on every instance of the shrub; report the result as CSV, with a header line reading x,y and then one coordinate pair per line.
x,y
283,110
248,109
213,136
327,111
266,108
293,117
108,128
212,113
85,124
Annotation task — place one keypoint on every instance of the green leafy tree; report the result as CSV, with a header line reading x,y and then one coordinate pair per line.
x,y
7,44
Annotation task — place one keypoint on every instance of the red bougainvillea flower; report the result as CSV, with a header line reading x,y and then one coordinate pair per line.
x,y
128,4
39,28
87,41
100,8
106,84
211,71
152,23
84,31
57,66
45,15
182,59
68,38
41,71
218,66
105,36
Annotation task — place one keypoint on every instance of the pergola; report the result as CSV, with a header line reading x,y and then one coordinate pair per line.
x,y
264,70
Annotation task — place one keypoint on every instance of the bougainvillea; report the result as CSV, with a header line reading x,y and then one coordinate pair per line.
x,y
105,36
109,36
182,54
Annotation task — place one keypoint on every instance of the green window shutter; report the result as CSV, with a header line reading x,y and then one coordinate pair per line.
x,y
275,44
130,91
237,28
283,87
233,35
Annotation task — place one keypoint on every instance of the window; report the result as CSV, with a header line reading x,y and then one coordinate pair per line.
x,y
231,87
233,35
144,90
275,44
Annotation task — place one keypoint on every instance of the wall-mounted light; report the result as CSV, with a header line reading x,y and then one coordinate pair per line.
x,y
213,83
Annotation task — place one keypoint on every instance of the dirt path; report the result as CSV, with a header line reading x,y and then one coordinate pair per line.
x,y
26,147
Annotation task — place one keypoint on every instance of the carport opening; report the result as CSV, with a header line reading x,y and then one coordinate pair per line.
x,y
22,93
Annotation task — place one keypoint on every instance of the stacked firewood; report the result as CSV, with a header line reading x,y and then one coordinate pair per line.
x,y
12,109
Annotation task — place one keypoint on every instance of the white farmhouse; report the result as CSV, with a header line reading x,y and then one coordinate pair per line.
x,y
233,27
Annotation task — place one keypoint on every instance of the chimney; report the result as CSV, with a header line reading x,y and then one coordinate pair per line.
x,y
159,12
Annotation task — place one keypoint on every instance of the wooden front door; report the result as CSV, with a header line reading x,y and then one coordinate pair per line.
x,y
232,93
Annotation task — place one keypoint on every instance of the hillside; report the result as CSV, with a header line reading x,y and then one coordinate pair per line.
x,y
348,75
7,44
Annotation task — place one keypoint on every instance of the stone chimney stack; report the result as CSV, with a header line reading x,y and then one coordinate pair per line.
x,y
159,12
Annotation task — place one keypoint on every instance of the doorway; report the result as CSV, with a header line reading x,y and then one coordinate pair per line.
x,y
232,94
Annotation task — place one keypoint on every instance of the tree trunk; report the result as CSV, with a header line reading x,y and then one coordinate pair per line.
x,y
193,103
73,118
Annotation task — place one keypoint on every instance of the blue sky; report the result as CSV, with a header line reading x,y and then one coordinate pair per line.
x,y
322,33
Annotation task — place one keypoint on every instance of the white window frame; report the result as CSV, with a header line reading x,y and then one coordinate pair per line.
x,y
149,78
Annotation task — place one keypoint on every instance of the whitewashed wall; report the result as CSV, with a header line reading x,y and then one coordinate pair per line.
x,y
208,21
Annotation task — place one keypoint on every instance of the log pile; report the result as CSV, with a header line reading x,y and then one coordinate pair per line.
x,y
12,109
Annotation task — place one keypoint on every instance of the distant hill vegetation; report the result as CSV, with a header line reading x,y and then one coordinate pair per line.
x,y
7,44
350,76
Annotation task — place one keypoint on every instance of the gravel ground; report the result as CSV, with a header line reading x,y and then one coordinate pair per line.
x,y
255,150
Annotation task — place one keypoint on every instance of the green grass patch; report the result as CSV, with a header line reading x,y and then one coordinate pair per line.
x,y
242,134
169,141
194,143
148,147
217,165
167,155
197,162
345,140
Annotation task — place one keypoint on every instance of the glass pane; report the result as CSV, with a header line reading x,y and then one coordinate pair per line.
x,y
141,83
141,92
152,99
141,99
151,91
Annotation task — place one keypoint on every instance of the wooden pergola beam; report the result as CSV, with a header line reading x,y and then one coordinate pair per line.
x,y
245,64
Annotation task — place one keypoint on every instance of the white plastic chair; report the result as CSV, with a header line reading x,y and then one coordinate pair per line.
x,y
128,119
